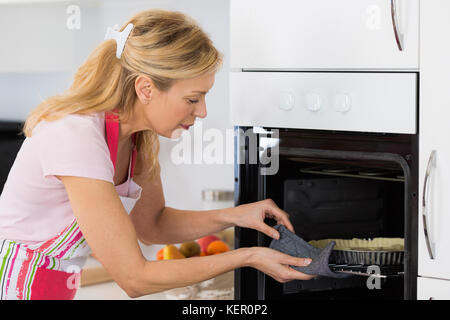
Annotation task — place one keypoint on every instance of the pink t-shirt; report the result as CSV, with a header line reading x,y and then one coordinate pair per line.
x,y
34,205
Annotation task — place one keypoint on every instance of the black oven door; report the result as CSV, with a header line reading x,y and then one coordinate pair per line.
x,y
333,185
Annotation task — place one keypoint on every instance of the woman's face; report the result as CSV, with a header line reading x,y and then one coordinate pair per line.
x,y
170,112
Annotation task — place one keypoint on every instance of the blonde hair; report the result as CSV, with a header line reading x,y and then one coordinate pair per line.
x,y
165,46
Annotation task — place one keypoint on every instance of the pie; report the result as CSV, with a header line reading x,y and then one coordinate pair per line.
x,y
375,244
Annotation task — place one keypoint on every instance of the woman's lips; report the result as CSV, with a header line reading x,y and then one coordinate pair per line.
x,y
185,127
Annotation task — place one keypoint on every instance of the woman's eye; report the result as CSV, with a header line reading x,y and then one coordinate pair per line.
x,y
192,101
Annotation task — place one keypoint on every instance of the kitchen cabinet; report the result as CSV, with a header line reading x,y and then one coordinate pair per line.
x,y
433,289
434,148
324,34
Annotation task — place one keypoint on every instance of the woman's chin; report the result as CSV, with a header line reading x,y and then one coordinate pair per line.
x,y
177,133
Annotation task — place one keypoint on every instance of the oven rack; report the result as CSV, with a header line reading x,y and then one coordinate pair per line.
x,y
356,172
387,271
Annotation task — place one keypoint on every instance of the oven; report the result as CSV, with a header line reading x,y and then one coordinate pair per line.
x,y
338,151
333,185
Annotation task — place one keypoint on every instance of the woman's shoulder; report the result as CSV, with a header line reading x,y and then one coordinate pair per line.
x,y
72,134
73,145
76,125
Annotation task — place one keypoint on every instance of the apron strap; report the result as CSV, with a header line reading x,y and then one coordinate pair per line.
x,y
112,136
133,156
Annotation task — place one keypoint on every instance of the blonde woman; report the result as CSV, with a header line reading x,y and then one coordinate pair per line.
x,y
87,179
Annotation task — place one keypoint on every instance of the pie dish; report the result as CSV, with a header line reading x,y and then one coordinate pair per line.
x,y
377,251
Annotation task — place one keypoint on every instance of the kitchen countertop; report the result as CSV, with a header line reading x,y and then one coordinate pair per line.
x,y
218,288
111,291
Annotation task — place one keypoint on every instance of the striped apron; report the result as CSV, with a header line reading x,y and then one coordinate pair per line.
x,y
51,270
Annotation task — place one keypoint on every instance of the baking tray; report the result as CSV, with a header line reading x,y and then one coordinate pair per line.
x,y
369,257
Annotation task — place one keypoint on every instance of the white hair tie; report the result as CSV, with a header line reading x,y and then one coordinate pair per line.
x,y
120,37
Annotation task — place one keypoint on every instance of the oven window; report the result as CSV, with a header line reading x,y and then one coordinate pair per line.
x,y
328,199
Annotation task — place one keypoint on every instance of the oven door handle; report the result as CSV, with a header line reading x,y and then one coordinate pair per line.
x,y
395,25
429,239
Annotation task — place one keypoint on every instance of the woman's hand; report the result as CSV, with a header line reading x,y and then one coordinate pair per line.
x,y
277,264
252,216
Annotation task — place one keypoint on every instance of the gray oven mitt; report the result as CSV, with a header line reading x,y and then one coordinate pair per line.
x,y
293,245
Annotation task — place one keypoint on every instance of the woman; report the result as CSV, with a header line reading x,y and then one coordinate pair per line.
x,y
91,157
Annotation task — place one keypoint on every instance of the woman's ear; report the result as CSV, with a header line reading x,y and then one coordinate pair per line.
x,y
145,88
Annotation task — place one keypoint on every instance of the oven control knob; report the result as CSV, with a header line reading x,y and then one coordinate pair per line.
x,y
313,102
286,101
342,103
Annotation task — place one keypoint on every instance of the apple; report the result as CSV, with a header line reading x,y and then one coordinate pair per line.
x,y
205,241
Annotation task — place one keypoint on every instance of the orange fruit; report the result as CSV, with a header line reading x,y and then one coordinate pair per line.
x,y
160,254
217,246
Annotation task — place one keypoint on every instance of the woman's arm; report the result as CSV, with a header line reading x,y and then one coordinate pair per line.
x,y
157,224
110,233
176,226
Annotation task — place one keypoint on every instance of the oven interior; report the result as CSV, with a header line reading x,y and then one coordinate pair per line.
x,y
342,199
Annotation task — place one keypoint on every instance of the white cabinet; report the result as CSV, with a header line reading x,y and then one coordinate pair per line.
x,y
323,34
433,289
434,135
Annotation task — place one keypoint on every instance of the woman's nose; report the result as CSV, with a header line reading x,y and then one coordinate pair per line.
x,y
200,110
